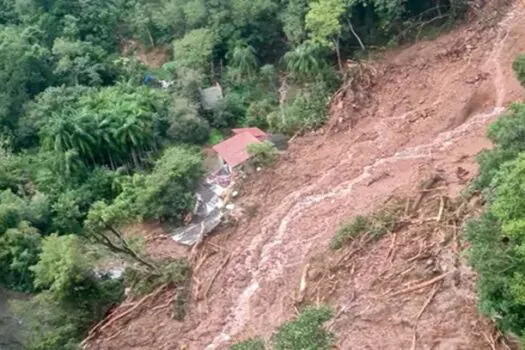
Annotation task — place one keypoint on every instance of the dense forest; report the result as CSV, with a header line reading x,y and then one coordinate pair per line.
x,y
89,146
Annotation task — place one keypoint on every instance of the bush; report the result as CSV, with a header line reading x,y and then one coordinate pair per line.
x,y
185,125
19,250
216,137
375,225
251,344
519,68
305,111
257,112
167,193
72,300
262,154
497,241
349,231
306,332
229,111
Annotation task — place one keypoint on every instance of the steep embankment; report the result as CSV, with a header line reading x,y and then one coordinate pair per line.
x,y
426,115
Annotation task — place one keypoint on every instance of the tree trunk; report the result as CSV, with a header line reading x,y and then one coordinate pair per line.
x,y
125,248
338,53
355,35
150,37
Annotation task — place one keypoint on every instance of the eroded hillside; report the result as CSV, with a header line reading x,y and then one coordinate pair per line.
x,y
425,116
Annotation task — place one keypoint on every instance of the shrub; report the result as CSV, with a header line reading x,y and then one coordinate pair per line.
x,y
229,112
306,332
72,300
360,224
497,241
306,110
174,273
519,68
250,344
257,112
215,137
375,225
262,154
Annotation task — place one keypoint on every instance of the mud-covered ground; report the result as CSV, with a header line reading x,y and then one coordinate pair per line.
x,y
426,114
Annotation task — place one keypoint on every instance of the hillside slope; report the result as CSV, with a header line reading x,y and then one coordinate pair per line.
x,y
426,115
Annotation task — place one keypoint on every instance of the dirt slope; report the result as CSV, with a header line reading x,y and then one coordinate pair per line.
x,y
430,106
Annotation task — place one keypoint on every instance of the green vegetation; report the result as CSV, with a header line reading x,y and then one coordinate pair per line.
x,y
306,332
497,238
262,154
375,225
92,140
251,344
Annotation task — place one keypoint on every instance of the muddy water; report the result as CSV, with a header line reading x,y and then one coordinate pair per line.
x,y
8,325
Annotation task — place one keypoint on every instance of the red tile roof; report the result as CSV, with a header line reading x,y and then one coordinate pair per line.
x,y
261,135
233,150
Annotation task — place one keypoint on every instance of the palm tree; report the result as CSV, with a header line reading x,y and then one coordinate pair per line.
x,y
303,62
244,62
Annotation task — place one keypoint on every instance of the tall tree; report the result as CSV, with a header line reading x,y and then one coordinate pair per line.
x,y
324,21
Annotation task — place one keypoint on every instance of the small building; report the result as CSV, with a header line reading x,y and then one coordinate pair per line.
x,y
233,151
211,97
258,133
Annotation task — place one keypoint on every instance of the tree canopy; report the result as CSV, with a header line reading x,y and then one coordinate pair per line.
x,y
101,122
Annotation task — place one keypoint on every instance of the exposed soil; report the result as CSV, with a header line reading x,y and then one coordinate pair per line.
x,y
426,115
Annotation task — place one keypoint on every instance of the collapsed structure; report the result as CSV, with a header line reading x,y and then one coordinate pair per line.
x,y
211,194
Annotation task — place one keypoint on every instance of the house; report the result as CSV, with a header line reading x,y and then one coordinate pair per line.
x,y
233,151
258,133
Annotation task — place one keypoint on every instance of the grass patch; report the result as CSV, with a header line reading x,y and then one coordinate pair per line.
x,y
250,344
306,332
376,225
215,137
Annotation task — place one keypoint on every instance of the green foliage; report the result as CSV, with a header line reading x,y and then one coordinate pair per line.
x,y
376,225
305,110
229,112
185,124
497,240
167,193
19,249
81,63
80,155
243,63
24,72
305,62
508,135
216,137
519,68
360,224
112,126
262,154
257,113
173,274
323,20
293,21
194,50
74,298
306,332
250,344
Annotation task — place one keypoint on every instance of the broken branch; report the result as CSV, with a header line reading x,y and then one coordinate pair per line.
x,y
421,285
226,260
